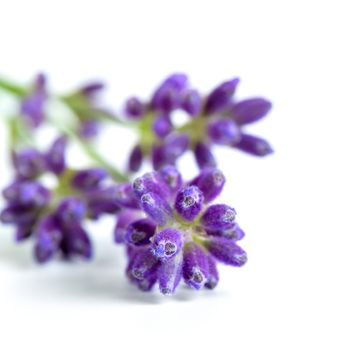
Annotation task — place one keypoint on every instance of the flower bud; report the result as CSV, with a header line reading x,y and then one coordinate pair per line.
x,y
139,232
192,102
29,163
254,145
235,233
218,217
210,182
71,211
134,108
204,156
135,159
227,251
162,126
172,177
167,243
195,268
144,264
156,208
189,202
170,273
48,238
88,179
220,98
55,156
250,110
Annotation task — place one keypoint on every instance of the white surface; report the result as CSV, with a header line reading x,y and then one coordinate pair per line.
x,y
294,292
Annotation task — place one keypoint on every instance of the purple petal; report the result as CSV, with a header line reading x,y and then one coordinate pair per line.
x,y
192,102
210,182
219,99
124,218
162,126
88,179
195,268
134,108
171,177
55,157
250,110
156,208
218,217
140,231
169,274
135,159
227,251
254,145
167,243
235,233
204,156
189,202
71,211
213,274
29,163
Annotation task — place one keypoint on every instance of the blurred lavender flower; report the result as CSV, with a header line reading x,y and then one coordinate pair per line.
x,y
213,119
184,235
54,218
33,105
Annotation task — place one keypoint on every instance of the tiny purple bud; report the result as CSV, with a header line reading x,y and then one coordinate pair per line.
x,y
135,159
27,193
235,233
91,90
55,157
218,217
160,158
124,195
77,242
250,110
168,96
71,211
162,126
195,268
170,273
88,179
29,163
219,99
189,202
124,218
140,231
150,182
210,182
254,145
19,215
33,105
192,102
223,131
48,238
171,177
167,243
213,274
176,145
204,156
227,251
156,208
134,108
143,264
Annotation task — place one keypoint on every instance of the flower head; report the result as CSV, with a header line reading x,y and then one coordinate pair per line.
x,y
184,235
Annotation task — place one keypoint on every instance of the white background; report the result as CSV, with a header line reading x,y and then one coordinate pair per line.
x,y
294,292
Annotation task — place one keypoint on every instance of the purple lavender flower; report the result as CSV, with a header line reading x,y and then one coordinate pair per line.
x,y
187,235
55,156
33,105
28,163
213,119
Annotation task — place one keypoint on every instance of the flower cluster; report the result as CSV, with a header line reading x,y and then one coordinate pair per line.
x,y
215,119
54,217
171,228
183,235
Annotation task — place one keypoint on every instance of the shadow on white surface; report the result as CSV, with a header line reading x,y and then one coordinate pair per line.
x,y
101,280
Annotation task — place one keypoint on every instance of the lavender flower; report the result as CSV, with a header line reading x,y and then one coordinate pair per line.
x,y
184,235
213,119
